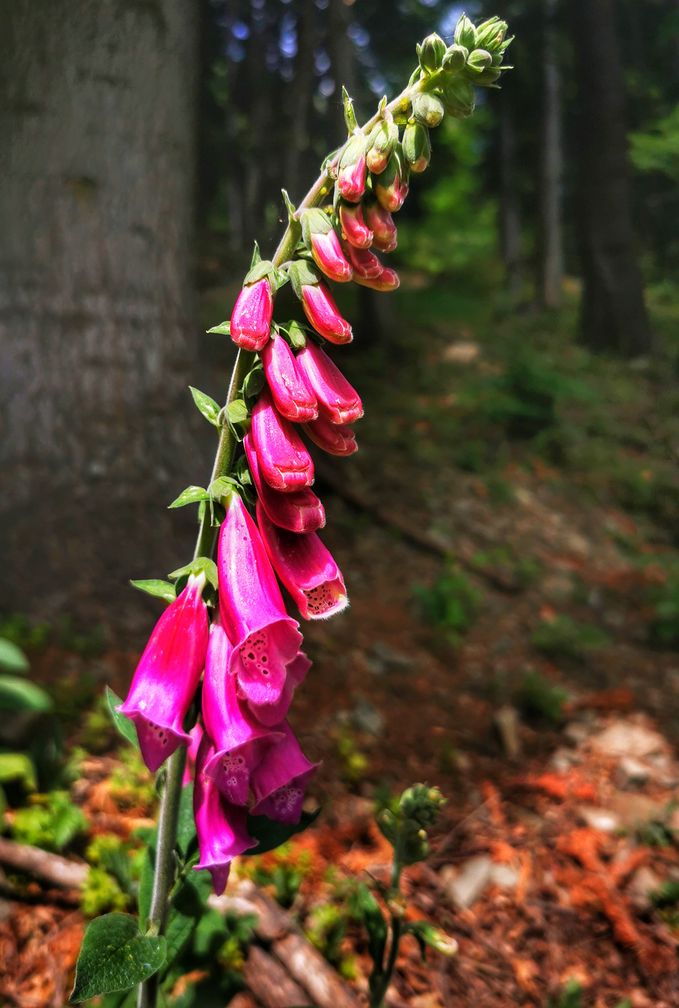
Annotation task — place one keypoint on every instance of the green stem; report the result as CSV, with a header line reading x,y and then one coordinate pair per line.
x,y
169,803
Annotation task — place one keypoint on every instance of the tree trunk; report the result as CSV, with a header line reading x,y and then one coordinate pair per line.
x,y
613,313
550,273
510,218
97,118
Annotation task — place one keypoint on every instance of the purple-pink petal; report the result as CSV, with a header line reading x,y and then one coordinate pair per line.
x,y
296,511
280,780
338,400
284,461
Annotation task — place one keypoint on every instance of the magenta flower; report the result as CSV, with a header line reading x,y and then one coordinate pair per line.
x,y
306,568
280,780
388,280
380,221
167,675
298,511
323,314
351,179
354,227
221,828
335,439
293,398
239,742
284,462
328,256
251,316
365,263
391,187
271,715
339,401
251,609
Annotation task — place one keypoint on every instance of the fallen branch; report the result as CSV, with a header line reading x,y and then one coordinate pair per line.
x,y
52,868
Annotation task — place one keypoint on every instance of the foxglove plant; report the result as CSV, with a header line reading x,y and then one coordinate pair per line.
x,y
228,619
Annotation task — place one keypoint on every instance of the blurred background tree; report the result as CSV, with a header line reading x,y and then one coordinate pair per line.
x,y
144,147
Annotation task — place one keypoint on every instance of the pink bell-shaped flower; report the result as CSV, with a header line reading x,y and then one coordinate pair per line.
x,y
251,316
354,227
324,315
221,828
167,675
280,780
265,639
335,439
195,738
271,715
306,568
298,511
290,392
380,221
284,462
338,400
239,742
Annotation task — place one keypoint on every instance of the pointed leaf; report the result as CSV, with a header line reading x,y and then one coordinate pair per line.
x,y
191,495
115,956
222,487
186,829
157,588
206,406
122,724
223,329
17,767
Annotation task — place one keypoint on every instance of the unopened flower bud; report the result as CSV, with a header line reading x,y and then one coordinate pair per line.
x,y
417,146
382,141
354,227
388,280
478,61
365,263
335,439
455,58
251,316
428,109
322,240
458,97
491,33
391,187
381,223
318,304
430,52
465,33
352,169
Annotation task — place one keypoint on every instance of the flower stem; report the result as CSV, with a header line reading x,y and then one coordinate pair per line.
x,y
169,802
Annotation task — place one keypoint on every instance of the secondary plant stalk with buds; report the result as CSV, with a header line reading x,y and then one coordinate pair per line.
x,y
219,673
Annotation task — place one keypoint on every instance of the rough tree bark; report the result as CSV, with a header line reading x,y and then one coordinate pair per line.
x,y
97,118
613,313
550,258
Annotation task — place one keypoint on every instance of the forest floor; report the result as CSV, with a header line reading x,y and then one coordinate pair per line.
x,y
508,532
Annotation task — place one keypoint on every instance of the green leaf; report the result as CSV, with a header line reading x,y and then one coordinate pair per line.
x,y
192,495
205,404
12,658
237,411
297,334
256,256
222,487
254,382
156,587
349,114
122,724
20,695
201,565
270,834
261,269
370,912
115,956
223,329
17,767
186,830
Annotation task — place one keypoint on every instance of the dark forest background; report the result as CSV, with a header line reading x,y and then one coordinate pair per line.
x,y
144,146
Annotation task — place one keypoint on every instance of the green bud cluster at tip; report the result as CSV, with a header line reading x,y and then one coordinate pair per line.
x,y
406,823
